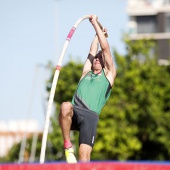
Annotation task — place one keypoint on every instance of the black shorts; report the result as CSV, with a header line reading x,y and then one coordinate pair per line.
x,y
85,121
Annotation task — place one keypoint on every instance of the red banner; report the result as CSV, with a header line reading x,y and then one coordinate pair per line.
x,y
88,166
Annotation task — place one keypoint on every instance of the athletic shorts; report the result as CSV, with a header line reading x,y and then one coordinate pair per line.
x,y
85,121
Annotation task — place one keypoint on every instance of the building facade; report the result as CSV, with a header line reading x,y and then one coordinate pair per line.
x,y
150,19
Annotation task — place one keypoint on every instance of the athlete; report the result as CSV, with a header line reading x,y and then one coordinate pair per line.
x,y
93,91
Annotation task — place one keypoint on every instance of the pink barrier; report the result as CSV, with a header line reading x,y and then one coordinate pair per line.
x,y
88,166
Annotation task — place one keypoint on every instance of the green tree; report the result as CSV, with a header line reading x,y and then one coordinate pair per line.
x,y
134,123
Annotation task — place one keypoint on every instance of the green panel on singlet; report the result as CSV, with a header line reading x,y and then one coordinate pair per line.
x,y
92,92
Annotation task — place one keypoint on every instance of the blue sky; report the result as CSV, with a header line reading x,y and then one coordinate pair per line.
x,y
32,33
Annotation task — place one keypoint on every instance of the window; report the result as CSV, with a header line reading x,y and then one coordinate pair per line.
x,y
146,24
167,2
167,22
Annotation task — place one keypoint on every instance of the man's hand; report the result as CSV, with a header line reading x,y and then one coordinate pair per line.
x,y
93,19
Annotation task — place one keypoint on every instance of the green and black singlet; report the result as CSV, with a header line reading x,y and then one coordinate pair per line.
x,y
92,92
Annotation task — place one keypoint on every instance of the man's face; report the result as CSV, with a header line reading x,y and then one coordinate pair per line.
x,y
98,61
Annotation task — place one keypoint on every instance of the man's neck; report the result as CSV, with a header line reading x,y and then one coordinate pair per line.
x,y
97,71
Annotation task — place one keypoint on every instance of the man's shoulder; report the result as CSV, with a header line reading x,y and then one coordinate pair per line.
x,y
84,74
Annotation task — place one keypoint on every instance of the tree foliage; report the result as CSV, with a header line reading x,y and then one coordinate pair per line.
x,y
135,122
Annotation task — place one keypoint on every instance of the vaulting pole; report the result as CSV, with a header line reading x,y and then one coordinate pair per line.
x,y
54,83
